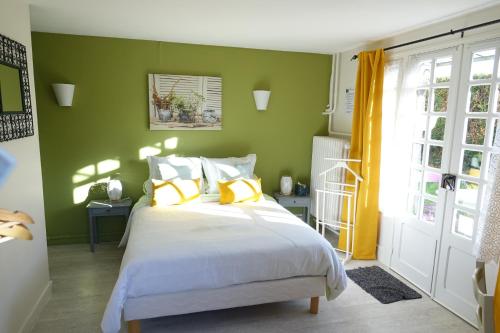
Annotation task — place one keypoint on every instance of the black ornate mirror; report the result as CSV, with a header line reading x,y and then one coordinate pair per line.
x,y
16,117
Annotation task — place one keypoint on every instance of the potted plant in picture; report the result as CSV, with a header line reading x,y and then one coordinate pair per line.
x,y
190,108
165,112
165,104
179,107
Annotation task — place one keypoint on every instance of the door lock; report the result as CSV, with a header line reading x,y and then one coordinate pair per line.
x,y
448,182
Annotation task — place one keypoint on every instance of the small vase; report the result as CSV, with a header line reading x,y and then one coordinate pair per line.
x,y
165,115
114,190
286,185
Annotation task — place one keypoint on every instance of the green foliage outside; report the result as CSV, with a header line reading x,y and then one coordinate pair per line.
x,y
476,128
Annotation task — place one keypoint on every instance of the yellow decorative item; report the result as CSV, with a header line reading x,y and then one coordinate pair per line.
x,y
12,224
365,146
239,190
175,192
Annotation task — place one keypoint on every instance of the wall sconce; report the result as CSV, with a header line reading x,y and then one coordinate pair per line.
x,y
261,98
64,93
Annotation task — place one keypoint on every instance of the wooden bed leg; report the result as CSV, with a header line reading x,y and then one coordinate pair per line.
x,y
314,305
134,326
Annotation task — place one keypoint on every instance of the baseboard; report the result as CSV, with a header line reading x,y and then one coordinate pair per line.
x,y
32,318
82,239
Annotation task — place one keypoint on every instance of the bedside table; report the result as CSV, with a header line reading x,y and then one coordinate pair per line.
x,y
99,208
295,201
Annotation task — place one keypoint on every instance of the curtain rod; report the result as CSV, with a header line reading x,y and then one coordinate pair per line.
x,y
451,32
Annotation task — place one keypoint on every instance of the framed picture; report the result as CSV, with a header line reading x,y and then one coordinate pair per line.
x,y
16,117
185,102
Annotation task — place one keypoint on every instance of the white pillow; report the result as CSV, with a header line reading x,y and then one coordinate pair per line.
x,y
226,169
173,167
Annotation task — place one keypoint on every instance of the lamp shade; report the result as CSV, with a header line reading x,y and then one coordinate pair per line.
x,y
261,99
64,93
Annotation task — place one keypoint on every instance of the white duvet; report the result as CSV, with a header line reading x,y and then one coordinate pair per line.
x,y
208,245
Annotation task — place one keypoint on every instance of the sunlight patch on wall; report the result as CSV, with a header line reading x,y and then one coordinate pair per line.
x,y
83,174
154,150
171,143
107,166
80,193
89,174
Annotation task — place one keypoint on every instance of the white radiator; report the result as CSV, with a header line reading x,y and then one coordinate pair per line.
x,y
326,146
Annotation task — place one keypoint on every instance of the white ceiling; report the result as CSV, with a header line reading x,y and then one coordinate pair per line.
x,y
321,26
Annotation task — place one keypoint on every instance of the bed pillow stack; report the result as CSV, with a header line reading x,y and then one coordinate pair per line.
x,y
173,179
229,168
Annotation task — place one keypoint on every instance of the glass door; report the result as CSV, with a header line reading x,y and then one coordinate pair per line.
x,y
430,107
476,149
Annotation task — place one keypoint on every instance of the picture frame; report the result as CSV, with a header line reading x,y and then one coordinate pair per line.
x,y
185,102
15,124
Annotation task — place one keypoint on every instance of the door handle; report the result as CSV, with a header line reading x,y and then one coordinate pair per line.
x,y
448,182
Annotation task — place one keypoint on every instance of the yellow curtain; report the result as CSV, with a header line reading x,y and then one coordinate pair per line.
x,y
365,146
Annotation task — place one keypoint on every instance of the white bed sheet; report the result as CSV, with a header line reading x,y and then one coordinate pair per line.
x,y
207,245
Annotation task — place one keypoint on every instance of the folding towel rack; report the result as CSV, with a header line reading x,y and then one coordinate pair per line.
x,y
344,190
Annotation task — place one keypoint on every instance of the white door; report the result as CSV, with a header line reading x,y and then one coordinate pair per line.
x,y
430,94
476,147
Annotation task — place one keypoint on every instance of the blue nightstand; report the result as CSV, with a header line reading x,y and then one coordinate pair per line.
x,y
99,208
295,201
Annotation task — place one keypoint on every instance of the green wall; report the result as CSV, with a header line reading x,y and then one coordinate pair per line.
x,y
109,116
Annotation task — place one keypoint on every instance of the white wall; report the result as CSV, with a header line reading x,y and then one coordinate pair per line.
x,y
24,274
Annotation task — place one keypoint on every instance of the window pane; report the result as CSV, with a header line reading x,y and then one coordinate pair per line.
x,y
420,127
476,129
416,180
492,165
442,71
422,100
479,97
424,72
482,64
435,155
463,223
436,127
432,182
466,194
471,163
417,156
429,211
440,99
495,137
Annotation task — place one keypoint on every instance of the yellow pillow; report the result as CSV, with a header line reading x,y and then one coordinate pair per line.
x,y
175,192
239,190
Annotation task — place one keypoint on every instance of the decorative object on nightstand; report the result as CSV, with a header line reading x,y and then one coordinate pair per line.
x,y
295,201
301,190
286,185
114,189
99,208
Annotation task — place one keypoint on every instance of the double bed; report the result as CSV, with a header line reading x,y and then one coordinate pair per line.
x,y
206,256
